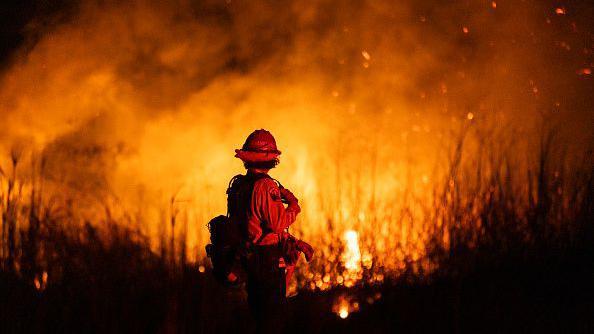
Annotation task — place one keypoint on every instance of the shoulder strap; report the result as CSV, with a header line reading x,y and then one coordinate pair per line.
x,y
277,183
236,182
239,194
233,181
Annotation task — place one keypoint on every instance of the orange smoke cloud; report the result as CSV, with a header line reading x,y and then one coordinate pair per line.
x,y
134,103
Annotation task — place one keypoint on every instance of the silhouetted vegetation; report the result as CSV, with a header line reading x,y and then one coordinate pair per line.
x,y
514,250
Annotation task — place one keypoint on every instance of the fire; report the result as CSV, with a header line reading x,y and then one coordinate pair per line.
x,y
343,306
352,254
40,282
351,258
131,113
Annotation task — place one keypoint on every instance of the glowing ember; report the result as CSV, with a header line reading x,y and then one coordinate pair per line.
x,y
493,4
40,282
344,305
465,30
365,55
560,11
470,116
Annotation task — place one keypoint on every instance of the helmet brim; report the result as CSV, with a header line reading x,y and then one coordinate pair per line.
x,y
253,156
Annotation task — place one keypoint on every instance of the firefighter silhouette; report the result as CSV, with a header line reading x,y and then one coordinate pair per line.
x,y
252,242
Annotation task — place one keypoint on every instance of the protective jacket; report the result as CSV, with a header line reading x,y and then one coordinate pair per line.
x,y
255,204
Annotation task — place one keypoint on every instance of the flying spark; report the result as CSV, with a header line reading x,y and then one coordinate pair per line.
x,y
366,55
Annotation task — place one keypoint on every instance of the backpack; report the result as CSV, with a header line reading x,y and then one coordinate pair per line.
x,y
229,247
221,250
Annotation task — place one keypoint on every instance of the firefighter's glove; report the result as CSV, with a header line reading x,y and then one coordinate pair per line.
x,y
306,249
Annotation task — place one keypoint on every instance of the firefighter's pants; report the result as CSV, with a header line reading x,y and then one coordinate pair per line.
x,y
266,289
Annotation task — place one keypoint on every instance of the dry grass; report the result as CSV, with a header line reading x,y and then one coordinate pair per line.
x,y
491,210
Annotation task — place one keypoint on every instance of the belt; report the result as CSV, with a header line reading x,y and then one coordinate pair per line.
x,y
268,239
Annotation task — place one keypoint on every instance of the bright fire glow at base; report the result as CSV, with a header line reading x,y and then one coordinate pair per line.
x,y
352,253
344,305
343,313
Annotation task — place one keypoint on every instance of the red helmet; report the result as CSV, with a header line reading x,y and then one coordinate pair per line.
x,y
259,146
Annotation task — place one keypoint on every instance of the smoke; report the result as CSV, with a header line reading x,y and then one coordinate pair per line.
x,y
132,103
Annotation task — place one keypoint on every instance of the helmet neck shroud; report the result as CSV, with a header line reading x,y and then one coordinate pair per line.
x,y
260,164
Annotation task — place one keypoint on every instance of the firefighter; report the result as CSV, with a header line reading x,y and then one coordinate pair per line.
x,y
256,205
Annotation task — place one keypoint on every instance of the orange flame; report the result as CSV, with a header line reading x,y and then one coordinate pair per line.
x,y
138,108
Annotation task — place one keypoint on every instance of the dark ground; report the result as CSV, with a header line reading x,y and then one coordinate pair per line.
x,y
549,294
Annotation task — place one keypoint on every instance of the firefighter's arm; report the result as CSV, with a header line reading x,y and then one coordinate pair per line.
x,y
290,199
268,206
